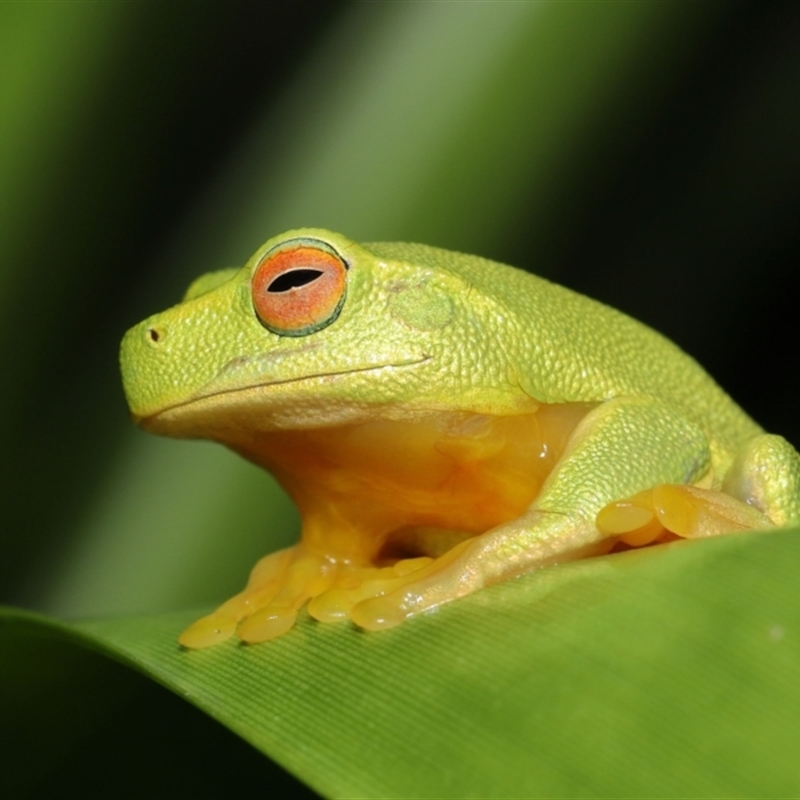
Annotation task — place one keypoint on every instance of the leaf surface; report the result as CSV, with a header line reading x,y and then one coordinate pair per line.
x,y
668,672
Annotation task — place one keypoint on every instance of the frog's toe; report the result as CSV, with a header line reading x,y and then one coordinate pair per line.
x,y
267,623
228,619
353,587
684,511
208,631
277,598
438,581
278,586
379,613
222,623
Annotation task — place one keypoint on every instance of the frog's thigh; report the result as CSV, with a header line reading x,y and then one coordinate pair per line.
x,y
766,474
619,449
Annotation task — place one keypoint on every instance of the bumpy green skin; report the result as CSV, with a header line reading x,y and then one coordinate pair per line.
x,y
427,329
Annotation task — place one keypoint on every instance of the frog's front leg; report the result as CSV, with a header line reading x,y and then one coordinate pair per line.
x,y
620,448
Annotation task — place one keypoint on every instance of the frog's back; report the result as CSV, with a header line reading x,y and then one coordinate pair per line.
x,y
575,349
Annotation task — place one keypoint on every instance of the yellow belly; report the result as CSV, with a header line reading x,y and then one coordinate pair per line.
x,y
377,491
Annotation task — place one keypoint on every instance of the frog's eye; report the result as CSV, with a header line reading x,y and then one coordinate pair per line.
x,y
299,287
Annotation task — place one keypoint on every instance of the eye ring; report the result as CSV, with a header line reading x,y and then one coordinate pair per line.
x,y
299,287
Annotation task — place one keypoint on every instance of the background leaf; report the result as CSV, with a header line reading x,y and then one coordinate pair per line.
x,y
641,674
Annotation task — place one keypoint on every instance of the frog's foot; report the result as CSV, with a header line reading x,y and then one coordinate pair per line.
x,y
537,540
281,583
276,589
373,598
669,511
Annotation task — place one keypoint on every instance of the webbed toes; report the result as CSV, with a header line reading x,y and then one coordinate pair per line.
x,y
283,582
277,588
356,587
685,511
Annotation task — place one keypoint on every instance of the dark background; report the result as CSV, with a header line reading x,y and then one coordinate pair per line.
x,y
690,224
685,217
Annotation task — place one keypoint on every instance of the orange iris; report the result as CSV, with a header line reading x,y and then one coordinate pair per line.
x,y
299,288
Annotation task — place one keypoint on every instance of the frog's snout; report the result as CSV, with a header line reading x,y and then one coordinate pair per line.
x,y
146,369
171,356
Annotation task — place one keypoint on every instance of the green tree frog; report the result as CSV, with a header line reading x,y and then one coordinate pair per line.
x,y
443,422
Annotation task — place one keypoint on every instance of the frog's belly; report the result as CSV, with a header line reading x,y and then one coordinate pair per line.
x,y
389,489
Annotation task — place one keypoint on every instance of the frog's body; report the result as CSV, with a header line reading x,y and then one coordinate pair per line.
x,y
443,422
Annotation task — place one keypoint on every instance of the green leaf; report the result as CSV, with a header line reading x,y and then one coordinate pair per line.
x,y
666,672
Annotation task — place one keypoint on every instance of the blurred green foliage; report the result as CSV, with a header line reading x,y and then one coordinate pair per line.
x,y
644,153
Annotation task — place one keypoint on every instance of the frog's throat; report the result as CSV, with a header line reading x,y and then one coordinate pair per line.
x,y
203,396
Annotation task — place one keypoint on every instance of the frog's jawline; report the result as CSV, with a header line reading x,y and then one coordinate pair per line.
x,y
198,398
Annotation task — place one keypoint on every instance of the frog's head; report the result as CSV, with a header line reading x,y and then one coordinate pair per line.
x,y
314,330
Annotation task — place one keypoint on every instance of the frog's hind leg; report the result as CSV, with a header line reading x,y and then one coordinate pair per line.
x,y
670,511
766,474
761,489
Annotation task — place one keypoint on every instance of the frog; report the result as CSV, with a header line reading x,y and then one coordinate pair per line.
x,y
443,423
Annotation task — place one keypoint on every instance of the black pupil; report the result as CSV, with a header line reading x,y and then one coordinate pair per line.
x,y
294,279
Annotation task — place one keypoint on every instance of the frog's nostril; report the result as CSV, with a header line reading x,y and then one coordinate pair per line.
x,y
154,334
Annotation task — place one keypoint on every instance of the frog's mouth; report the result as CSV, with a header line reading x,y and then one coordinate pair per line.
x,y
263,403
